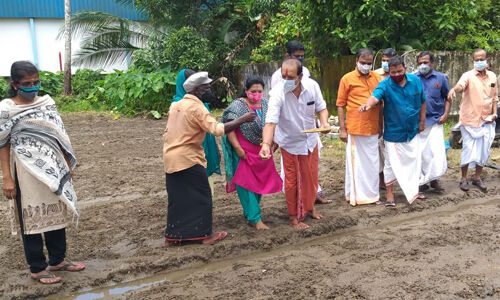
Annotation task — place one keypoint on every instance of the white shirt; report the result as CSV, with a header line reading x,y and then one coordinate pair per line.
x,y
292,115
277,77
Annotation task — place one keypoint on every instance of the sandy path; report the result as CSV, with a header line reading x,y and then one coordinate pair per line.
x,y
120,184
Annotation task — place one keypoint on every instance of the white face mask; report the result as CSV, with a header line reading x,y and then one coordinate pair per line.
x,y
289,85
480,65
364,69
424,69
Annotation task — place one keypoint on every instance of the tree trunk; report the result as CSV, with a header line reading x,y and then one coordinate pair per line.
x,y
67,47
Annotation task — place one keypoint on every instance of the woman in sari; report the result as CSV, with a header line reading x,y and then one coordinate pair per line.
x,y
209,145
246,173
37,162
189,215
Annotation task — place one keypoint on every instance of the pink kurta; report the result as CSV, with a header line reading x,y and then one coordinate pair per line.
x,y
254,174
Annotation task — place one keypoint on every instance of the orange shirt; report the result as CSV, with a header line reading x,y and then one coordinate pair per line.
x,y
354,90
479,95
188,120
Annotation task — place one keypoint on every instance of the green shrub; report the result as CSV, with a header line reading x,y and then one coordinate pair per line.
x,y
183,48
4,88
135,91
84,81
51,83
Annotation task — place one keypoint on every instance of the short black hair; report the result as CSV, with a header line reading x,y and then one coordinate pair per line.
x,y
18,71
294,46
396,61
249,82
425,53
364,52
389,52
295,61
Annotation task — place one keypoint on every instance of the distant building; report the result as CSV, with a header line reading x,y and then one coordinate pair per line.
x,y
29,29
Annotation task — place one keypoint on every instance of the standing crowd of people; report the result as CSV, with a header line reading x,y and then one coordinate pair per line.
x,y
391,122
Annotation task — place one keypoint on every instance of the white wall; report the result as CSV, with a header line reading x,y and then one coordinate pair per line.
x,y
15,44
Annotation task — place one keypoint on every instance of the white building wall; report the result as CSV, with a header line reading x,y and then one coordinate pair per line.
x,y
15,44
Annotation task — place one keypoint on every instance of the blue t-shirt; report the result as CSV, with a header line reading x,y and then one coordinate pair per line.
x,y
436,90
401,107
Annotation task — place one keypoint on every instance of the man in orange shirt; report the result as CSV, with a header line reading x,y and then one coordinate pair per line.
x,y
360,131
478,112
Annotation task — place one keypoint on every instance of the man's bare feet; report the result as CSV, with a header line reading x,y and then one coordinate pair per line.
x,y
294,223
316,215
321,200
261,226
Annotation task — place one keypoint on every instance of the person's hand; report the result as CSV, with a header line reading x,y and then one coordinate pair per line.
x,y
248,117
443,119
265,151
9,188
241,153
421,126
343,135
326,128
364,107
490,119
452,94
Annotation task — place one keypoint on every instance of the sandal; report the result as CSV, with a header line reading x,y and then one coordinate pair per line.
x,y
389,203
68,266
40,278
464,185
479,183
220,236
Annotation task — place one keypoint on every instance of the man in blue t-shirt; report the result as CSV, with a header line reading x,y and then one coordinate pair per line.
x,y
437,108
404,117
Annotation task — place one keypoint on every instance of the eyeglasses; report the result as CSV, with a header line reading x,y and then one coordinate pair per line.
x,y
29,83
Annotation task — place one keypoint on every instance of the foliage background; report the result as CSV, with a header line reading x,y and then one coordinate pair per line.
x,y
220,36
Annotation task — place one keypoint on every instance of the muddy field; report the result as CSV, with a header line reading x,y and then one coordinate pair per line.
x,y
444,247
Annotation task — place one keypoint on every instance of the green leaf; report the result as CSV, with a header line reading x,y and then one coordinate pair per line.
x,y
155,114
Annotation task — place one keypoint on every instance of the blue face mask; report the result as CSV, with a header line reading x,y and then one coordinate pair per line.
x,y
289,85
480,65
301,59
385,66
28,92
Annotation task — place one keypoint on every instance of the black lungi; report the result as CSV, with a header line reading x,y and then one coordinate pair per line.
x,y
189,215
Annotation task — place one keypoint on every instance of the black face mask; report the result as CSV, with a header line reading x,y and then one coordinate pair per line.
x,y
208,97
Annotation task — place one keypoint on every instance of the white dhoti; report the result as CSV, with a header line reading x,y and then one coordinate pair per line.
x,y
476,143
361,169
403,164
282,173
434,163
381,151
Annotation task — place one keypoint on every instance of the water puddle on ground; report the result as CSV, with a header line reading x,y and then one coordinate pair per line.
x,y
122,288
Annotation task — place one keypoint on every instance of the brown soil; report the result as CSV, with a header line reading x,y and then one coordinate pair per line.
x,y
446,246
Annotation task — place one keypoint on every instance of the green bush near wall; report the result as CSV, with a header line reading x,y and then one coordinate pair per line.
x,y
4,88
135,91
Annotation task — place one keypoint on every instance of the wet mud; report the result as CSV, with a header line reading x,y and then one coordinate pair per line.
x,y
446,246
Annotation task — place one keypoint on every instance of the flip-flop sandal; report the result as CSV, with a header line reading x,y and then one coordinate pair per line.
x,y
420,196
389,203
67,266
48,276
220,236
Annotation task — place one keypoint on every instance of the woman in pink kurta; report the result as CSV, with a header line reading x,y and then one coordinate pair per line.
x,y
246,172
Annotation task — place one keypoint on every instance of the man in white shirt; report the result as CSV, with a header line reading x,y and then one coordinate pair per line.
x,y
295,49
293,104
